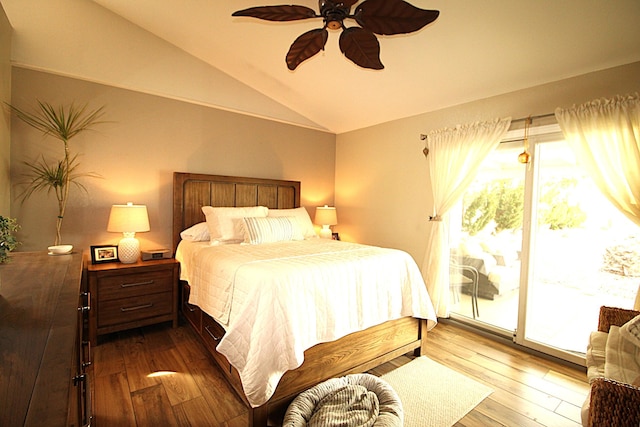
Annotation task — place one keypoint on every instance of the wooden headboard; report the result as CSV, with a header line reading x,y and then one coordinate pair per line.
x,y
192,191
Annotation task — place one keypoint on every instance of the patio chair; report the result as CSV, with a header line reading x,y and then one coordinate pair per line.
x,y
464,276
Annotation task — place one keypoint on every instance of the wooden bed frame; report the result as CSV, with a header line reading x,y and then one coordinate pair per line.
x,y
355,353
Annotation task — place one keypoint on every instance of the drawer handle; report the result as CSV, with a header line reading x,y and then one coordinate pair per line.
x,y
191,307
206,328
137,307
86,361
129,285
85,308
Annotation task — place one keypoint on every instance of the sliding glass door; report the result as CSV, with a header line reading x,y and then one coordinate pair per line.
x,y
546,247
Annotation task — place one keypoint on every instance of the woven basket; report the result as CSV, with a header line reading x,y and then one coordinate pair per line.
x,y
614,404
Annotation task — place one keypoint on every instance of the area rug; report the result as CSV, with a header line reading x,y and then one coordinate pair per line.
x,y
433,395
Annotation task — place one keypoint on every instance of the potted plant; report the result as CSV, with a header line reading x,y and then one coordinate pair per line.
x,y
62,123
8,241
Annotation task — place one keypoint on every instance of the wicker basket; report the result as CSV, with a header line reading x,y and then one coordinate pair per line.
x,y
614,404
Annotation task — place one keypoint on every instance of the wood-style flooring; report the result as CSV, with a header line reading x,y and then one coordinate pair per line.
x,y
159,376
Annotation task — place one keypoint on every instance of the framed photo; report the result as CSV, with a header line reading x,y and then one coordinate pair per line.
x,y
335,236
104,253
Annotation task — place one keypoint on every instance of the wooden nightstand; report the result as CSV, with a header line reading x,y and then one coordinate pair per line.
x,y
125,296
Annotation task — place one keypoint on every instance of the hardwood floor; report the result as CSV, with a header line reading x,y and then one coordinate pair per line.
x,y
159,376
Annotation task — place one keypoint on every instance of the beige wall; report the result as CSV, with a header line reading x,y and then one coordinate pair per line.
x,y
146,140
382,181
5,96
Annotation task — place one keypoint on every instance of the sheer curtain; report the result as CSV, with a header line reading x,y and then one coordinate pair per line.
x,y
454,158
605,135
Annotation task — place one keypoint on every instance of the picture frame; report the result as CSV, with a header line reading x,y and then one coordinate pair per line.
x,y
104,253
335,236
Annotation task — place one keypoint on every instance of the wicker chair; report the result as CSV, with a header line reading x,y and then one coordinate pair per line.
x,y
614,404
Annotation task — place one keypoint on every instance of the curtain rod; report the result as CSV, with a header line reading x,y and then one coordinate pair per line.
x,y
540,116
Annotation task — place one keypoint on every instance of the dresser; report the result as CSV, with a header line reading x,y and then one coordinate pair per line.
x,y
42,346
126,296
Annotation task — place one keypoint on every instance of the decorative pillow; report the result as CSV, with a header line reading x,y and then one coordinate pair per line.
x,y
196,233
622,359
631,331
301,217
269,230
225,224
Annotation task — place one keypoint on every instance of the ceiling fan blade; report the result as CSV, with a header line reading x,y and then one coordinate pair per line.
x,y
336,3
305,46
389,17
361,47
278,13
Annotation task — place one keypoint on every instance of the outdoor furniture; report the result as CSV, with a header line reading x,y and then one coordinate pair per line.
x,y
611,402
464,276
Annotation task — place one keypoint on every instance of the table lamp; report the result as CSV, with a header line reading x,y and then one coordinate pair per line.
x,y
326,216
128,219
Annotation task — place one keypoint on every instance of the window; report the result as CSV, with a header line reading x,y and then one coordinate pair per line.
x,y
548,248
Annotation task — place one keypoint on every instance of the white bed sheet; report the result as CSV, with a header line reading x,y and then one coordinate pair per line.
x,y
276,300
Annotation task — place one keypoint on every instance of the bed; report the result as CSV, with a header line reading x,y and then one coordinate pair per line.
x,y
353,352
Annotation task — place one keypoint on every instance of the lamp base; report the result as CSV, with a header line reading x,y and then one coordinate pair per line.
x,y
325,232
128,250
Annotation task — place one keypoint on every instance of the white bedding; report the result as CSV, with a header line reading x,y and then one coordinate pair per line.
x,y
276,300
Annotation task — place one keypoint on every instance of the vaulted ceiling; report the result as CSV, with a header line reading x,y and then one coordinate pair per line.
x,y
474,50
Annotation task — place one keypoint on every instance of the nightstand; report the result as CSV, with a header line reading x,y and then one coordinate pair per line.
x,y
125,296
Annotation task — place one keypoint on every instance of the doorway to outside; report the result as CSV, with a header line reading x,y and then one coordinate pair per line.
x,y
544,246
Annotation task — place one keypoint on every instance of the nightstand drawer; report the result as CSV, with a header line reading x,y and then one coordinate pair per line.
x,y
135,308
130,285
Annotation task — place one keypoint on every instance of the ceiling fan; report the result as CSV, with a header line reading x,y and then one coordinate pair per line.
x,y
359,44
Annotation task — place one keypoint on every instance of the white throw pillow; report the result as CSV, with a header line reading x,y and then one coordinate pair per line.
x,y
302,218
196,233
631,331
225,224
269,230
622,359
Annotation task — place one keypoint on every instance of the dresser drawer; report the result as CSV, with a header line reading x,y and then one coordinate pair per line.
x,y
134,284
191,312
212,333
125,310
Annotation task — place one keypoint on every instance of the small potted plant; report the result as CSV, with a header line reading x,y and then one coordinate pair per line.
x,y
62,123
8,241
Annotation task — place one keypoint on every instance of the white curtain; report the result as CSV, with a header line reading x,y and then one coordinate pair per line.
x,y
454,157
605,135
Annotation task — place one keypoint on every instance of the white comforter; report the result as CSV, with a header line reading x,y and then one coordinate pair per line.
x,y
276,300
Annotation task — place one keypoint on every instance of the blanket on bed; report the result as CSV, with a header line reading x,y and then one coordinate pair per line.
x,y
279,299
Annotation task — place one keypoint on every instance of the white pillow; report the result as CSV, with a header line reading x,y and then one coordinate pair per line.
x,y
269,230
622,358
631,331
301,216
225,224
196,233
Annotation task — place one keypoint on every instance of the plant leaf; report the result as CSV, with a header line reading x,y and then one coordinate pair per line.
x,y
390,17
60,123
305,46
361,47
278,13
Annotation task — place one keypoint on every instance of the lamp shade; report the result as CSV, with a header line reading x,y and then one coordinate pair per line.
x,y
128,218
326,215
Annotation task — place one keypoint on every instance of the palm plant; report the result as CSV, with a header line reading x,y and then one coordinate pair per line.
x,y
62,123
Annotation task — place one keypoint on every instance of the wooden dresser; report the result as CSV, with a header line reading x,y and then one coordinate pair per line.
x,y
42,349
